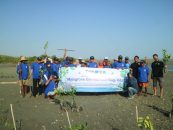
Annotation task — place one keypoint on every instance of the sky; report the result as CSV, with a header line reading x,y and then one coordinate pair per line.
x,y
102,28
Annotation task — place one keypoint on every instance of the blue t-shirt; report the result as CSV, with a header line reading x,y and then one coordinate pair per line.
x,y
24,69
55,69
47,73
143,73
92,65
127,65
71,65
59,65
50,88
65,62
36,68
118,65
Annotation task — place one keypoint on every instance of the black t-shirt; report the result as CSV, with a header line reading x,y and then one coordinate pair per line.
x,y
157,68
134,66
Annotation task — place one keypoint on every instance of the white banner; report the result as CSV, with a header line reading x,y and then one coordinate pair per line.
x,y
92,79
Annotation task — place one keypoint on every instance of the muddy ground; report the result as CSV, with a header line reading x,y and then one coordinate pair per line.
x,y
100,111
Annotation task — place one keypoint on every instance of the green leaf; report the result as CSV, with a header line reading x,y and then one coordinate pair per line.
x,y
46,45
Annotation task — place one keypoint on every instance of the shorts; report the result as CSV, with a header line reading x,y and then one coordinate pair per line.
x,y
24,82
143,84
157,79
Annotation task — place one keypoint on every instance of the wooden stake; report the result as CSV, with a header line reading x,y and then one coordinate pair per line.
x,y
137,113
8,82
68,118
14,123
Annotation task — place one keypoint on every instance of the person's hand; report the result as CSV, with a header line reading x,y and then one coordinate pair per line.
x,y
51,77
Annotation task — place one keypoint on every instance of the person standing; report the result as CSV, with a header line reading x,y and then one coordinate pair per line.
x,y
119,64
23,75
92,63
143,73
127,63
106,63
36,71
157,74
134,67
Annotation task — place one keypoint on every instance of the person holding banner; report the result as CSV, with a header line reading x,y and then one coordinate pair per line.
x,y
23,75
106,63
92,63
119,64
71,62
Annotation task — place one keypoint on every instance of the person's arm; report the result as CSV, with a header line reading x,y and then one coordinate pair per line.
x,y
31,71
148,74
146,60
28,72
65,53
17,69
96,65
47,81
152,67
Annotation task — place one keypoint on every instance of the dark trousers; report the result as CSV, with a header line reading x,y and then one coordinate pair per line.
x,y
37,88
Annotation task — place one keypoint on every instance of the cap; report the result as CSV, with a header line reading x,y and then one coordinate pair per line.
x,y
126,58
79,58
91,57
106,58
120,57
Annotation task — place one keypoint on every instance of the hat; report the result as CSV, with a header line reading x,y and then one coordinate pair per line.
x,y
91,57
23,58
79,58
83,61
106,58
126,58
120,57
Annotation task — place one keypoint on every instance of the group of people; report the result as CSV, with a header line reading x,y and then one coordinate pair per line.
x,y
138,77
45,73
